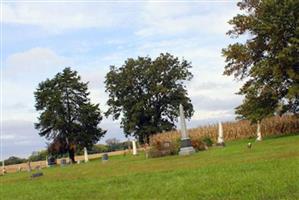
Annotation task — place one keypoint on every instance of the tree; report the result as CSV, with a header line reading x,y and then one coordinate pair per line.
x,y
67,117
38,155
146,94
268,61
13,160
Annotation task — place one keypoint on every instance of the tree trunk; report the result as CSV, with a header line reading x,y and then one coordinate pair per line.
x,y
72,155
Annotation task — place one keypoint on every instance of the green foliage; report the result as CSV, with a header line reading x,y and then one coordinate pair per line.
x,y
269,59
39,155
115,145
208,141
99,148
146,94
14,160
67,117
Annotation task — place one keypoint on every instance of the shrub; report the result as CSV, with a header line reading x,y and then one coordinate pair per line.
x,y
198,144
14,160
164,148
208,141
38,155
99,148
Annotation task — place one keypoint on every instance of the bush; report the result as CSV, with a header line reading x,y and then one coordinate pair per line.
x,y
99,148
164,149
38,155
208,141
14,160
198,144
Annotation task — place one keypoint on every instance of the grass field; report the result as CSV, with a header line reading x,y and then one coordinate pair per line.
x,y
270,170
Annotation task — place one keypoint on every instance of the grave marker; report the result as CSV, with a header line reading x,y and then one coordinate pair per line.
x,y
85,155
186,147
38,174
134,147
258,131
105,157
220,140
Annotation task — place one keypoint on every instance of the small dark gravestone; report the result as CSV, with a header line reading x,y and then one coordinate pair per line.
x,y
51,161
105,157
38,174
63,162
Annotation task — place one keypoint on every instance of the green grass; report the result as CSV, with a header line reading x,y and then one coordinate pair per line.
x,y
270,170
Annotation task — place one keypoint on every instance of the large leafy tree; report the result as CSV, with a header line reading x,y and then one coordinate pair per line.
x,y
146,94
268,61
67,117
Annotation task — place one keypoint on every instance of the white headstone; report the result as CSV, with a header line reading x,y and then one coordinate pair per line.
x,y
134,147
85,155
220,139
258,132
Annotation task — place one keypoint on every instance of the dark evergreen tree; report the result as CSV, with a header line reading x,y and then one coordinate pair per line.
x,y
146,94
67,117
268,61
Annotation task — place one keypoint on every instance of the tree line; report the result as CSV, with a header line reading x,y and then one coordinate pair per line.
x,y
145,93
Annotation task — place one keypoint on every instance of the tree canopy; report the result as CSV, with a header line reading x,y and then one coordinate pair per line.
x,y
67,117
146,94
268,61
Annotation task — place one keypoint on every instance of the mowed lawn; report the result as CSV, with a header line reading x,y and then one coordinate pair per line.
x,y
270,170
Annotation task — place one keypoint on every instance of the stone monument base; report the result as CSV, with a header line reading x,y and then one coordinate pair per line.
x,y
186,147
186,151
220,144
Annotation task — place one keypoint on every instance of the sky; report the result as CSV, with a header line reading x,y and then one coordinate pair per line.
x,y
39,39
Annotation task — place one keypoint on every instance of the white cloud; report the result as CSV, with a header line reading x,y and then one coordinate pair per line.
x,y
34,61
58,17
175,18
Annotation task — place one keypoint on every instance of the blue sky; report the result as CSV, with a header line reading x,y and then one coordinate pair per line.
x,y
40,39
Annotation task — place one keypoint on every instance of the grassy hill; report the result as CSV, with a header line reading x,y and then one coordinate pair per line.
x,y
270,170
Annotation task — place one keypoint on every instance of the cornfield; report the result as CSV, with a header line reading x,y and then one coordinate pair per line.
x,y
234,130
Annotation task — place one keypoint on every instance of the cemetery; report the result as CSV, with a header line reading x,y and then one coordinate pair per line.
x,y
194,100
267,169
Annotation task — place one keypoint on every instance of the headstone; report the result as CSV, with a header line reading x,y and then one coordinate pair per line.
x,y
85,155
105,157
134,147
220,140
38,174
51,161
258,132
63,162
186,147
